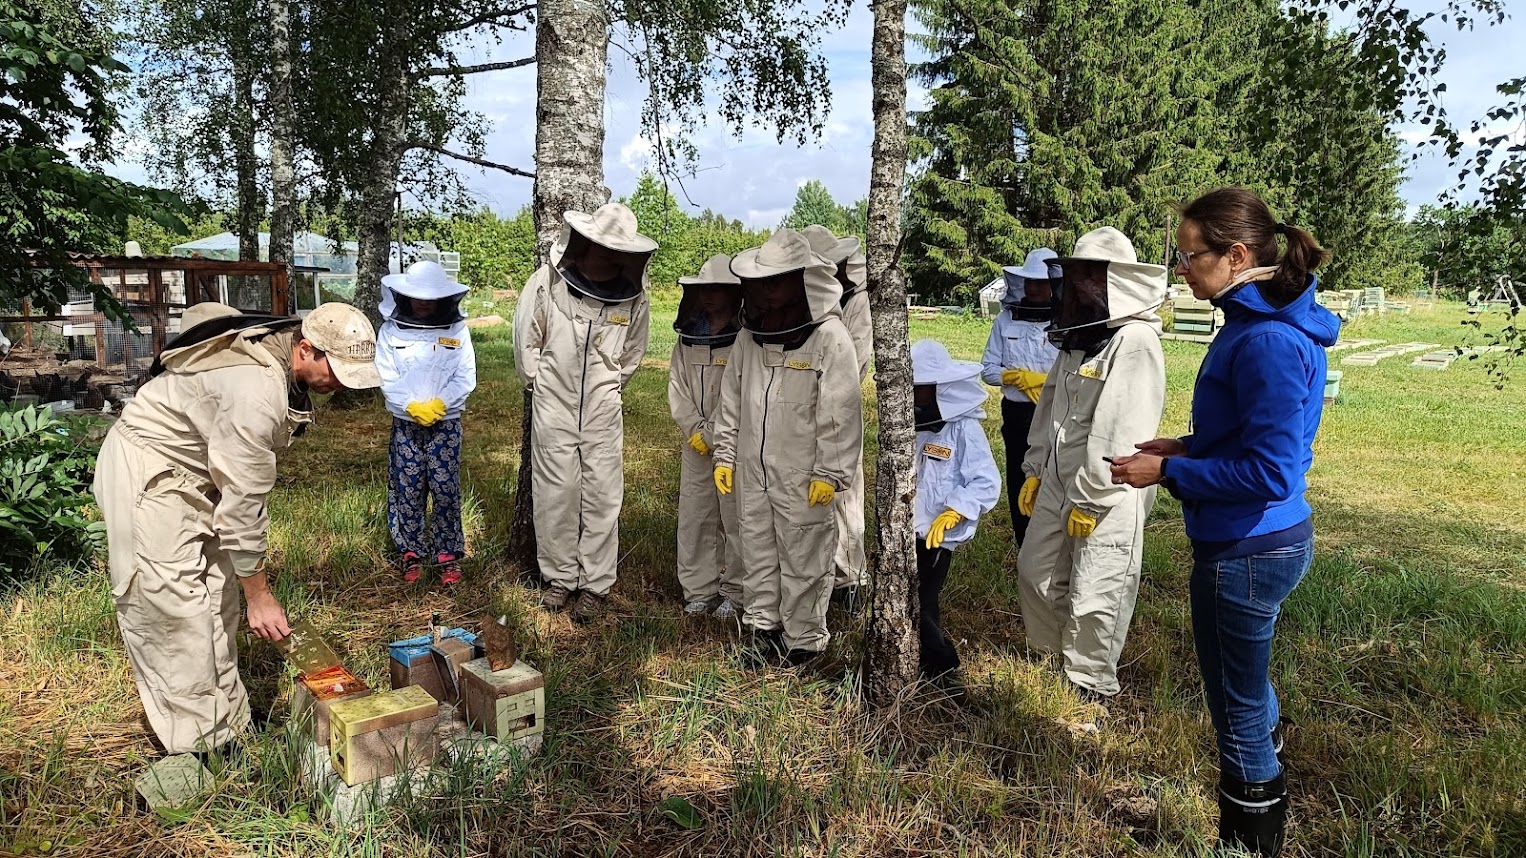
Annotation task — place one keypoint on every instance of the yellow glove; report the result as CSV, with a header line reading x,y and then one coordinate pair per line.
x,y
821,493
697,441
940,526
1010,377
422,413
723,479
1028,495
437,405
1080,525
1030,383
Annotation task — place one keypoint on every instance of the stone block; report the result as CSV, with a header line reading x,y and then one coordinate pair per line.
x,y
173,782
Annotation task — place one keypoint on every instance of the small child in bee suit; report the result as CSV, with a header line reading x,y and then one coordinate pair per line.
x,y
957,483
709,559
428,369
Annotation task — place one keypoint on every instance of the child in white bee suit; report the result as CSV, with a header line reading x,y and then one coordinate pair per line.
x,y
428,369
788,440
957,483
709,563
1017,359
1078,570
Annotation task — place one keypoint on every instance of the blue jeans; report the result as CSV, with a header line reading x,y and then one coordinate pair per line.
x,y
1235,604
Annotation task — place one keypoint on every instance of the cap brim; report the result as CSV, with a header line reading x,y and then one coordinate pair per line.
x,y
355,374
703,281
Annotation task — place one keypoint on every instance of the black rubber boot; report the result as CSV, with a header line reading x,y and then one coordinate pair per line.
x,y
1278,738
1252,816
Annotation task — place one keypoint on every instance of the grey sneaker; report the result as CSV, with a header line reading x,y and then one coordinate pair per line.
x,y
588,607
697,608
555,598
726,610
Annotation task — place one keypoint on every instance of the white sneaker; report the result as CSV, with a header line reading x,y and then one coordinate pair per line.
x,y
696,608
726,610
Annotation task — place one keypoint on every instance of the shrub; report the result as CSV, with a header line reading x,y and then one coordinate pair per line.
x,y
46,464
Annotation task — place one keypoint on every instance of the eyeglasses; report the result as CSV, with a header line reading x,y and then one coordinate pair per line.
x,y
1184,260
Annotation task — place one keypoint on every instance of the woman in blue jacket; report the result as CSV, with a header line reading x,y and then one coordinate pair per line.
x,y
1241,478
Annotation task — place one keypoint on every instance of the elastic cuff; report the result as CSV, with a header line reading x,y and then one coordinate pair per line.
x,y
247,563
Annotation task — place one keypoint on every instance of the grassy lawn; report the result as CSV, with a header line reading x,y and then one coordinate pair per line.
x,y
1402,658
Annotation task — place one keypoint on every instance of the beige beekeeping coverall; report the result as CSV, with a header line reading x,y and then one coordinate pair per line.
x,y
788,418
1077,595
182,480
851,565
709,560
578,353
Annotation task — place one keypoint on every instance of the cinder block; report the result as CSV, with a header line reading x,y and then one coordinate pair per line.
x,y
485,751
172,782
352,803
314,714
372,737
506,704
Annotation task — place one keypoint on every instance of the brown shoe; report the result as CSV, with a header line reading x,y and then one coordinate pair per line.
x,y
589,607
555,598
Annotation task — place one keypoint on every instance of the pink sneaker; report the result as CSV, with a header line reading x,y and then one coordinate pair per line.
x,y
450,569
413,568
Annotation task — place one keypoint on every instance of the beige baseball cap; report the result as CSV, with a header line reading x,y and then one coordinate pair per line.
x,y
346,336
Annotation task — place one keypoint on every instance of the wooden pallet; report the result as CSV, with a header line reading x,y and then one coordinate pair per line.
x,y
1371,358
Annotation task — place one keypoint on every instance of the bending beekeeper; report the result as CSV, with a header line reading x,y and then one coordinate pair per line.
x,y
580,331
1017,359
1078,571
428,369
183,481
850,566
709,564
788,441
957,483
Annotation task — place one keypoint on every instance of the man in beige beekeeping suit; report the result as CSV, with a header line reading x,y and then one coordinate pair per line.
x,y
788,441
1078,570
709,565
852,273
183,480
580,331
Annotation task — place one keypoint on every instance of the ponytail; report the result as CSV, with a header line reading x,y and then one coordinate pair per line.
x,y
1229,215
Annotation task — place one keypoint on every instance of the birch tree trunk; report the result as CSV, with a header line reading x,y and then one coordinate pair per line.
x,y
571,51
894,649
379,182
283,214
245,163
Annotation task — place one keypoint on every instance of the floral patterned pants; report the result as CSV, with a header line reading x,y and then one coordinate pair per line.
x,y
425,463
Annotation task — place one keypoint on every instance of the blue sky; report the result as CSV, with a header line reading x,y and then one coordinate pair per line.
x,y
754,178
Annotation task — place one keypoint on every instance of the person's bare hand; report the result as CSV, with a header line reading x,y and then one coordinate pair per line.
x,y
1163,447
267,618
1137,471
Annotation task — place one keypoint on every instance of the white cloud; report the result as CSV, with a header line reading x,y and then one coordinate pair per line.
x,y
765,218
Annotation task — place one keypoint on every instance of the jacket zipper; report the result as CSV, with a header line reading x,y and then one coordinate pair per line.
x,y
763,442
582,400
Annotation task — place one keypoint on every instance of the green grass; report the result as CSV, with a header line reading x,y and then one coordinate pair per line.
x,y
1402,657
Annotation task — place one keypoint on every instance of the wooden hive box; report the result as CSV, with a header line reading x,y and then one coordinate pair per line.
x,y
373,737
304,704
412,664
506,704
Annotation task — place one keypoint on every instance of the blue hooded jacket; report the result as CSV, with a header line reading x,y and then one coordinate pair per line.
x,y
1255,410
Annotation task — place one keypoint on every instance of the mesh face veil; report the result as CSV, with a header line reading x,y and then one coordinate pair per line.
x,y
709,314
626,270
1082,307
776,308
426,312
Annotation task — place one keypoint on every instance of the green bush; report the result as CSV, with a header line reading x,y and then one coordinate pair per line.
x,y
46,464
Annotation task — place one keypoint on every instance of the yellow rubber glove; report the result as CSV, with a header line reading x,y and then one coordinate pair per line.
x,y
1010,377
940,526
1080,525
697,442
1031,383
723,479
1027,495
820,493
422,413
437,405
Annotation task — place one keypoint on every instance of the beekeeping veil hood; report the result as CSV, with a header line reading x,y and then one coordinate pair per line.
x,y
1030,288
959,391
1104,286
786,288
611,226
426,281
701,319
846,253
